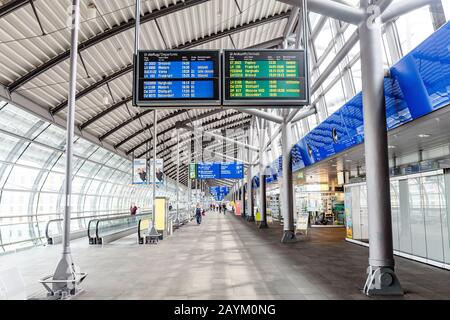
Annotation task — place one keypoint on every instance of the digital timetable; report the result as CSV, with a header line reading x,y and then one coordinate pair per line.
x,y
178,78
264,77
235,78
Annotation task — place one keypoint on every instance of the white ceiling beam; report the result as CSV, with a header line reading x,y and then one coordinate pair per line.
x,y
261,114
332,9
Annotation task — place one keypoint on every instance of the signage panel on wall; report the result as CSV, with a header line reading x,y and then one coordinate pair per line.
x,y
139,171
177,78
265,77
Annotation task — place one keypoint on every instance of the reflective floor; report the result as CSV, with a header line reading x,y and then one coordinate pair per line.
x,y
227,258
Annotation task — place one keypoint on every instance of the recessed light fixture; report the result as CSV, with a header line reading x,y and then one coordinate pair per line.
x,y
392,147
334,165
348,160
424,135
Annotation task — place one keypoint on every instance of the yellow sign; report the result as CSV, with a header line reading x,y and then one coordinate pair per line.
x,y
160,213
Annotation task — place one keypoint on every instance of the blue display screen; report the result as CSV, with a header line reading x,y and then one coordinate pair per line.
x,y
176,89
178,77
178,69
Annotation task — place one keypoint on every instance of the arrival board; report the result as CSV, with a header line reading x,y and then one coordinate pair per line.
x,y
265,77
177,78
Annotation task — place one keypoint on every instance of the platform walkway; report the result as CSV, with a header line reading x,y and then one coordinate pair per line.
x,y
227,258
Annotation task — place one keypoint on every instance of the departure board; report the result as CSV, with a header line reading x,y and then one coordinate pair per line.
x,y
177,78
265,77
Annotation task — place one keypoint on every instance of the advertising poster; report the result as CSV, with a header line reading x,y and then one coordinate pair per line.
x,y
140,175
237,208
302,221
348,215
159,171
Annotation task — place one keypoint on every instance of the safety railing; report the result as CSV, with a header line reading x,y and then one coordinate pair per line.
x,y
105,230
53,238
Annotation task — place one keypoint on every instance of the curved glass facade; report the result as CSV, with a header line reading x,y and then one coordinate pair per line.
x,y
32,180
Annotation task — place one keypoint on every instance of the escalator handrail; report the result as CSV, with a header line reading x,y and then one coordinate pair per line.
x,y
47,226
116,218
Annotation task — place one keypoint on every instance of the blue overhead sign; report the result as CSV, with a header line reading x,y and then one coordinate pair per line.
x,y
219,192
220,170
231,170
208,170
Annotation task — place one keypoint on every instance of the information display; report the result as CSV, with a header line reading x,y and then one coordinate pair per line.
x,y
220,170
208,170
177,78
231,170
219,192
265,77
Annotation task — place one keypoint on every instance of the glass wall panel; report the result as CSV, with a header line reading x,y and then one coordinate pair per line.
x,y
364,219
20,122
335,97
53,182
434,205
10,147
404,222
395,210
446,217
53,136
417,218
413,28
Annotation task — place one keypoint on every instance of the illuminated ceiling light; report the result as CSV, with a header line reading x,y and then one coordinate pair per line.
x,y
105,99
392,147
424,135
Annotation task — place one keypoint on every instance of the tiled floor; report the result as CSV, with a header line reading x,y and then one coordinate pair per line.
x,y
227,258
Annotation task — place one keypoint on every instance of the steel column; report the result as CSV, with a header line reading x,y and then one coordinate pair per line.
x,y
153,231
177,220
189,179
262,223
287,203
66,268
381,277
250,215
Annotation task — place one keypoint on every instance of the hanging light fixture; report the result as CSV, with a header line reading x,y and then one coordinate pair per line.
x,y
91,12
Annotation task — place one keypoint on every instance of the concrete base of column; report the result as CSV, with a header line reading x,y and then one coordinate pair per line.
x,y
382,281
262,225
288,237
251,218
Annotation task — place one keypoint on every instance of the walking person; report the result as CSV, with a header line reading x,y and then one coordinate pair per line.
x,y
198,214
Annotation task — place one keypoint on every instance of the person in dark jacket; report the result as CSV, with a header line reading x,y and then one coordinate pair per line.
x,y
198,214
